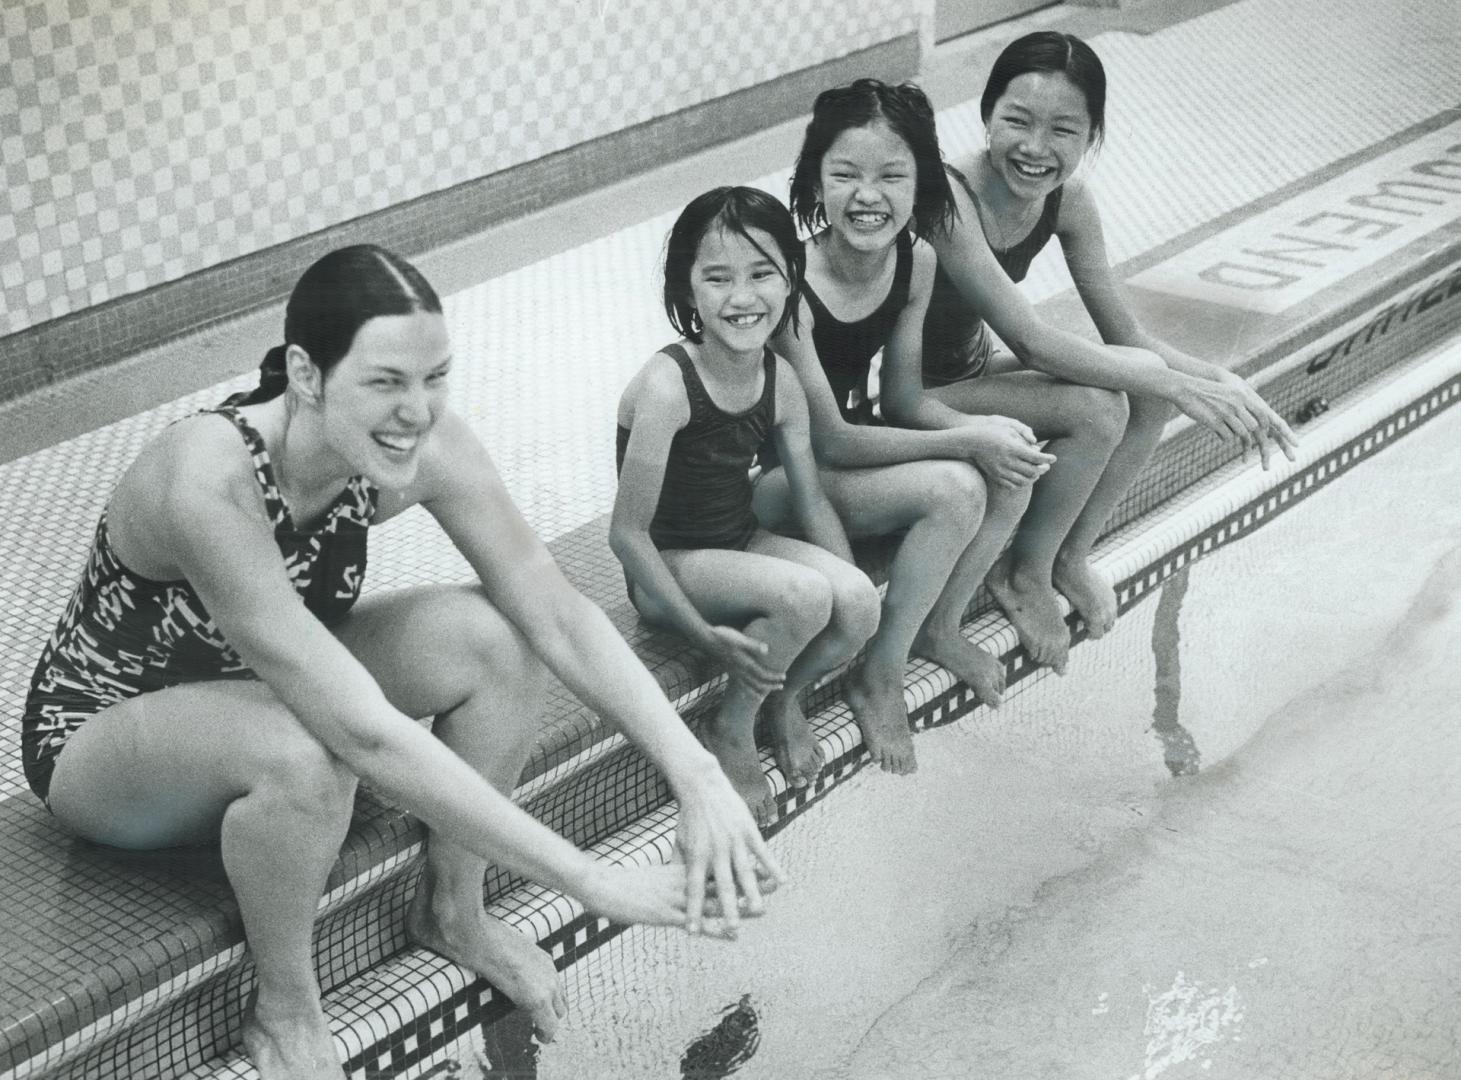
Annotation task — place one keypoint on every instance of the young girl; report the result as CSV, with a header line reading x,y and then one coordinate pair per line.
x,y
777,612
1101,408
214,674
868,168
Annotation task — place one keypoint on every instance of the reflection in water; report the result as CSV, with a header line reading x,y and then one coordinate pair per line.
x,y
726,1047
1178,747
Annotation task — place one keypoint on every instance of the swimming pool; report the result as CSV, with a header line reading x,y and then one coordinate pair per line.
x,y
1225,844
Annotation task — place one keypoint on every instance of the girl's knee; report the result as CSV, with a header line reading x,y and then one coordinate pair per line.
x,y
856,605
1103,412
957,490
807,602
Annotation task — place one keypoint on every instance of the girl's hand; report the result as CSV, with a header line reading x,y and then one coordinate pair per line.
x,y
1233,410
718,838
745,658
1273,430
1006,451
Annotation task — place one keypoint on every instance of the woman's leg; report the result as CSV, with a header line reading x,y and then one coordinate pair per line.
x,y
780,603
191,763
445,651
1082,426
940,504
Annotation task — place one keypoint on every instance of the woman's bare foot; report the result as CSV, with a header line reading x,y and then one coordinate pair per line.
x,y
967,662
1034,612
465,934
798,754
737,755
882,715
290,1043
1089,593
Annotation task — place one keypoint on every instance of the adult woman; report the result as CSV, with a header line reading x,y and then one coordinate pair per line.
x,y
213,674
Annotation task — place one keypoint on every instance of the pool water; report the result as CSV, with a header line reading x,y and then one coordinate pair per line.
x,y
1226,844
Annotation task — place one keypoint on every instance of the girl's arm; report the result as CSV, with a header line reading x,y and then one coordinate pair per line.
x,y
1004,449
966,258
1083,241
660,409
207,522
465,493
792,432
841,445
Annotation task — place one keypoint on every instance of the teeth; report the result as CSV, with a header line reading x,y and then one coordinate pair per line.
x,y
743,320
396,442
1033,170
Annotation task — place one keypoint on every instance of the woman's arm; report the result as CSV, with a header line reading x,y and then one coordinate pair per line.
x,y
792,432
210,526
465,493
1083,241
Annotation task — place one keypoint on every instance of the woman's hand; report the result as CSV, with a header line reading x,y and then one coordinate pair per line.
x,y
1006,451
654,895
718,839
744,657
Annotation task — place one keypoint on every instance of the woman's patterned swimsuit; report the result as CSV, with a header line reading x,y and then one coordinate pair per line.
x,y
123,634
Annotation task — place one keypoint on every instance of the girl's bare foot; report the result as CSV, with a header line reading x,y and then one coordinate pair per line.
x,y
882,715
798,754
1034,613
967,662
742,765
290,1043
1088,592
465,934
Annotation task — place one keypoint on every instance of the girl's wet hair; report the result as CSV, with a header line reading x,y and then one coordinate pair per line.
x,y
331,301
737,210
907,112
1050,51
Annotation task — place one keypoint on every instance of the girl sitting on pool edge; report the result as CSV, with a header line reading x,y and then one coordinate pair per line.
x,y
777,612
1043,109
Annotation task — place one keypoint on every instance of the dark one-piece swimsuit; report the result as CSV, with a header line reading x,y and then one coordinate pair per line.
x,y
956,343
705,500
123,634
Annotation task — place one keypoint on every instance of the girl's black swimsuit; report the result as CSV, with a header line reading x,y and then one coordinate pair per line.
x,y
705,500
956,343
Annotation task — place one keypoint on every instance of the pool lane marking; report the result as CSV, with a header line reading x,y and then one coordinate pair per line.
x,y
1336,228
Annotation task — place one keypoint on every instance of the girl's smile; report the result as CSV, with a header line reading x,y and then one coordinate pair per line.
x,y
1038,131
868,186
738,288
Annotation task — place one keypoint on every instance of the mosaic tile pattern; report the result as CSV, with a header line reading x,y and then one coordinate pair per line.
x,y
143,139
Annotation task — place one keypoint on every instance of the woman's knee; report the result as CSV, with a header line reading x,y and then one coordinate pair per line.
x,y
297,769
483,643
